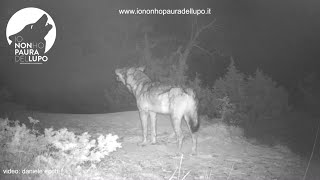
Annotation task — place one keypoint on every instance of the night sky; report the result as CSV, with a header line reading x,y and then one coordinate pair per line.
x,y
280,37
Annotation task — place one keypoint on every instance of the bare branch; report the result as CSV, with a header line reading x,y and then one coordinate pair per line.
x,y
204,50
209,25
179,51
215,52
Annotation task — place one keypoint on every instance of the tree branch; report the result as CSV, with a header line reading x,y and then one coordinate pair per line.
x,y
209,25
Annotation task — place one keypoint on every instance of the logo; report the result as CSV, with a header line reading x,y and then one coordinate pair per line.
x,y
31,33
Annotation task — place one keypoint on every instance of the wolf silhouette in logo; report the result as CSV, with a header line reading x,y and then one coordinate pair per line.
x,y
34,32
155,97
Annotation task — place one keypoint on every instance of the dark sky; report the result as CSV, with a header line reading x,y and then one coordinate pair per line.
x,y
280,37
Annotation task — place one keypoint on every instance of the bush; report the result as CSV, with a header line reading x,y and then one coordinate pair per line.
x,y
265,100
232,85
231,90
57,154
209,104
19,145
247,101
310,91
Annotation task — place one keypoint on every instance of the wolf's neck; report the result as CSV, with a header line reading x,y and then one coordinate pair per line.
x,y
138,84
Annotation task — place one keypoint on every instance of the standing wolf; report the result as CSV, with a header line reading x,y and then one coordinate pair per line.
x,y
155,97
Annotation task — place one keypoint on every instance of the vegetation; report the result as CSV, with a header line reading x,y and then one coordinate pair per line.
x,y
309,90
118,97
56,154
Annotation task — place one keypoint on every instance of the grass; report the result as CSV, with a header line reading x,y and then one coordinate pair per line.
x,y
179,171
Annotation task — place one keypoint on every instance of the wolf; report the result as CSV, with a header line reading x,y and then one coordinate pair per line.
x,y
155,97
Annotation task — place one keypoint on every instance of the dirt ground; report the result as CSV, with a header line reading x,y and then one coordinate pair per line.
x,y
223,153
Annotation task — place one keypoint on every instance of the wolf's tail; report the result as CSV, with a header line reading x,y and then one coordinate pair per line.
x,y
193,116
194,122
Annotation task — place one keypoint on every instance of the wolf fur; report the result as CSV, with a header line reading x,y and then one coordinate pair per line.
x,y
156,97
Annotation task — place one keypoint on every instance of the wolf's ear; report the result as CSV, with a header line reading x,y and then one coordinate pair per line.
x,y
142,68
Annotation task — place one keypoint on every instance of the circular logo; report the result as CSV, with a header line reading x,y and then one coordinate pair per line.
x,y
33,22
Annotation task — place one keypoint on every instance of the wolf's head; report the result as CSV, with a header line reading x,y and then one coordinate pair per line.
x,y
124,74
131,76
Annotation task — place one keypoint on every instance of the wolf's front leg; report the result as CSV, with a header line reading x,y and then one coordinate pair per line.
x,y
144,124
153,118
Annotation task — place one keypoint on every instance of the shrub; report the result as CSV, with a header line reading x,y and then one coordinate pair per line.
x,y
70,152
310,90
246,101
66,154
232,85
230,89
265,100
19,145
209,104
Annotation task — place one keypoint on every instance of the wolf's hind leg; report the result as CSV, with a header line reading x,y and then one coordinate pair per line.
x,y
178,131
144,124
153,118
